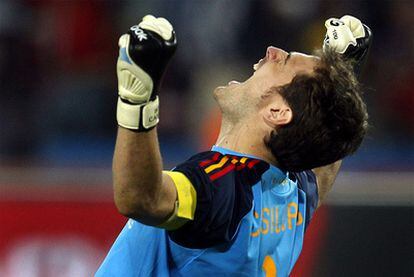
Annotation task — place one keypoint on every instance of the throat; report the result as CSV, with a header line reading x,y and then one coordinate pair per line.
x,y
246,138
241,138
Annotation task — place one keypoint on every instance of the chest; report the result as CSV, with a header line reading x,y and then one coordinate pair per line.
x,y
277,218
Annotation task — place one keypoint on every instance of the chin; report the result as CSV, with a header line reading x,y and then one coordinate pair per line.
x,y
218,92
220,95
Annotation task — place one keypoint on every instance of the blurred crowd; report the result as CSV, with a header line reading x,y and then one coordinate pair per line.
x,y
58,78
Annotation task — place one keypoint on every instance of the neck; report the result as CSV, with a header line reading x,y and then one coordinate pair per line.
x,y
244,138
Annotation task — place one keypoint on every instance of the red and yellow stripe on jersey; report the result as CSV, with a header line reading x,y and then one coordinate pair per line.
x,y
213,166
220,165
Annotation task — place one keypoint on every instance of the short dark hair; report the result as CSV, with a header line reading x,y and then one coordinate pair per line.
x,y
329,116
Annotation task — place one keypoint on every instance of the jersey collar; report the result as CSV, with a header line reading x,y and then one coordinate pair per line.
x,y
281,174
223,150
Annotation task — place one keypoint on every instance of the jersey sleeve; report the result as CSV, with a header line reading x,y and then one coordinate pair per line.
x,y
306,181
223,196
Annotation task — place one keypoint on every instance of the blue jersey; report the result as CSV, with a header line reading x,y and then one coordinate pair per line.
x,y
249,219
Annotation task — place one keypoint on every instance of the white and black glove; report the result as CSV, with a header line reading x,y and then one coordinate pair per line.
x,y
348,36
144,53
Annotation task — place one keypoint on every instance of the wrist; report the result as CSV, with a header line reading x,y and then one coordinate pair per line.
x,y
139,117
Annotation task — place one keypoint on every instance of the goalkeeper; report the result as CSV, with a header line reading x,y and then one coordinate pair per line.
x,y
240,209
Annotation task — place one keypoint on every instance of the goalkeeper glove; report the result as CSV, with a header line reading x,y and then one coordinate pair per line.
x,y
144,53
348,36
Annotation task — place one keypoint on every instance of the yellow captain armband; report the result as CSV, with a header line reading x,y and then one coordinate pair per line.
x,y
186,203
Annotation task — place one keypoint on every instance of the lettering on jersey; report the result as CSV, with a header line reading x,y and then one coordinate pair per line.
x,y
269,267
220,165
277,219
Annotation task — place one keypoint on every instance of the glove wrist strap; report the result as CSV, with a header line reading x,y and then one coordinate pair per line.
x,y
139,117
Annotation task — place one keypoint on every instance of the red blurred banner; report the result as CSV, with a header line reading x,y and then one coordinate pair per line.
x,y
55,238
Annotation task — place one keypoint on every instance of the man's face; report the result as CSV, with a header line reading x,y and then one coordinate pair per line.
x,y
277,68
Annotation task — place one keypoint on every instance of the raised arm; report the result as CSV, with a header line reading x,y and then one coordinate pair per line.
x,y
141,191
351,38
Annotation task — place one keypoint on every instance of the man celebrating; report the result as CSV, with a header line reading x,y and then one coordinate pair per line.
x,y
242,208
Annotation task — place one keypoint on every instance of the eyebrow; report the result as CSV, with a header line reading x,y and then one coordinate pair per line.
x,y
288,57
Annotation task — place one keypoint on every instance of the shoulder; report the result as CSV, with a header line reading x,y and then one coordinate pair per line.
x,y
223,196
216,167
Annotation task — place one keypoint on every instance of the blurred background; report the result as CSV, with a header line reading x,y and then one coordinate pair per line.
x,y
57,105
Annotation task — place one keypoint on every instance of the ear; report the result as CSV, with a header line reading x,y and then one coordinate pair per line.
x,y
277,115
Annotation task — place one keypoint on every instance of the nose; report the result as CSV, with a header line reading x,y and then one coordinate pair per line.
x,y
274,53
